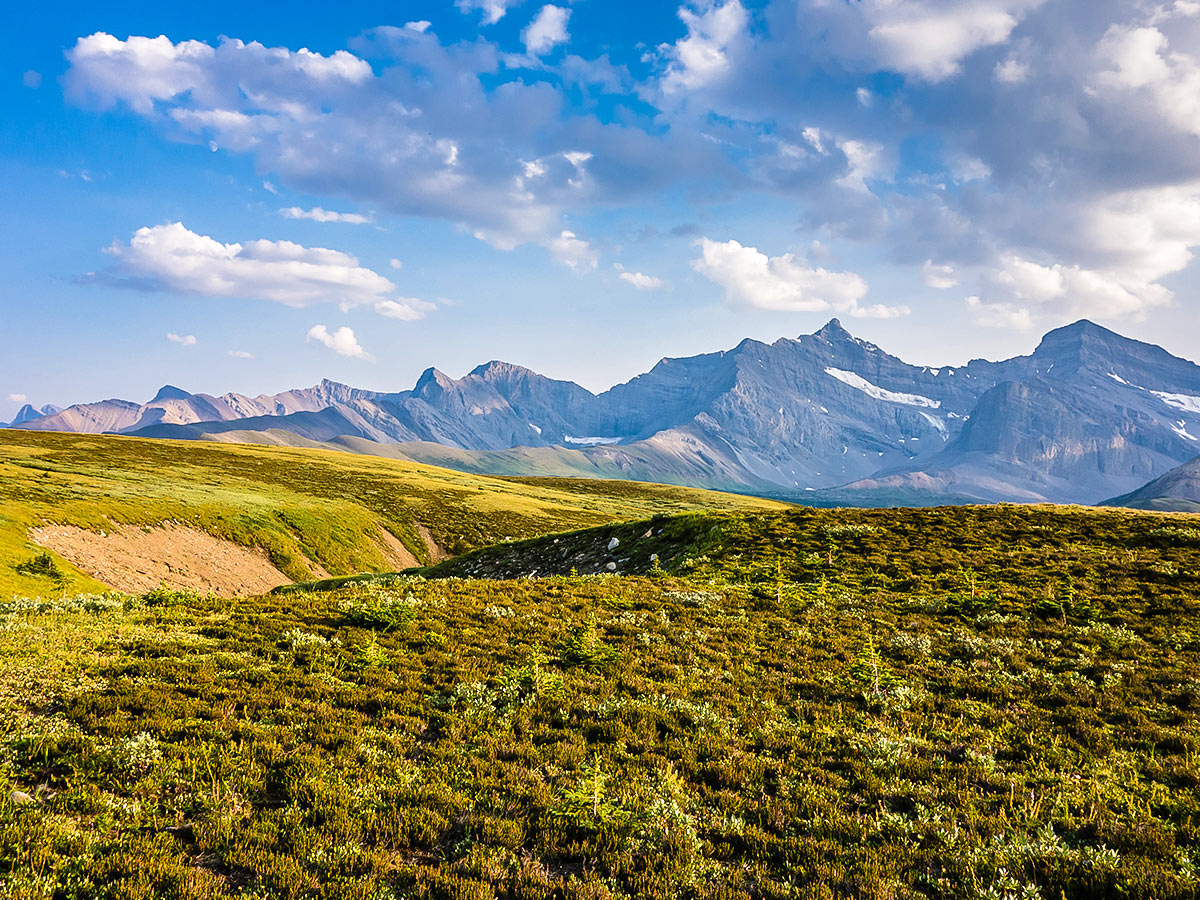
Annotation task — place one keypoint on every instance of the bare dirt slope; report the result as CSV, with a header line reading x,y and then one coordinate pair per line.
x,y
137,559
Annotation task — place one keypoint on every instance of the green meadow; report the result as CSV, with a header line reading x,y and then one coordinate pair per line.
x,y
308,509
979,703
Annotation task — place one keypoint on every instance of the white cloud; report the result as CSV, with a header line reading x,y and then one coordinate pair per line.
x,y
328,125
547,30
342,342
1011,71
937,276
1000,315
639,280
420,26
864,160
573,251
1073,289
317,214
187,340
406,309
18,398
929,39
172,258
241,354
702,57
1140,64
493,10
785,283
32,79
396,263
142,70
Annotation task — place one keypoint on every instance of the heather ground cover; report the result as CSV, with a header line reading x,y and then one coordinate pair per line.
x,y
960,703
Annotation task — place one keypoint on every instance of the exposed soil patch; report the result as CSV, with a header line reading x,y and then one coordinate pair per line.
x,y
436,553
395,552
137,559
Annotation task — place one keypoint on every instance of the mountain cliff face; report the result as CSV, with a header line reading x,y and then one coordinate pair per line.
x,y
1088,414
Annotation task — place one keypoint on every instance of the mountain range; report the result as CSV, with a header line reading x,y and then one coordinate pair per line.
x,y
826,417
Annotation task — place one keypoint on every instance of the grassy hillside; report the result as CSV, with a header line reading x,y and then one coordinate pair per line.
x,y
963,703
309,509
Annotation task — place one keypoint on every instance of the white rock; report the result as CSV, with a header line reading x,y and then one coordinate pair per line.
x,y
20,798
612,567
614,543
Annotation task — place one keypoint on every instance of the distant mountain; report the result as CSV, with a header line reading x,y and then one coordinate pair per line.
x,y
1177,491
1088,414
27,414
826,417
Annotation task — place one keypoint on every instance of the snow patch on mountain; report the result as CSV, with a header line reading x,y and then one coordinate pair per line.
x,y
873,390
1186,402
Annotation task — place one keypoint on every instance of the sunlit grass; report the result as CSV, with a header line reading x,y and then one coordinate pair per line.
x,y
980,703
309,509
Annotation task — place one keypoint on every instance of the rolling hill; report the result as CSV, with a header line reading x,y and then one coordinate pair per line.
x,y
1177,491
116,509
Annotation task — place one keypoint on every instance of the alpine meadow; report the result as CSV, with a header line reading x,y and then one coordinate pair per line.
x,y
579,450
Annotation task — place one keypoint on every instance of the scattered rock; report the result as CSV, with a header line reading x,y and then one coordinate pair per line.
x,y
614,543
653,557
20,798
612,566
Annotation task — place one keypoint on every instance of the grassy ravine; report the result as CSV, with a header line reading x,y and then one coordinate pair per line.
x,y
306,508
959,703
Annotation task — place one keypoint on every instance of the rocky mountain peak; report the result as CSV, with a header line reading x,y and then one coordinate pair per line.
x,y
25,414
170,392
833,331
498,370
432,383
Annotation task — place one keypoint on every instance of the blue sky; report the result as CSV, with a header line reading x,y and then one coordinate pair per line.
x,y
252,197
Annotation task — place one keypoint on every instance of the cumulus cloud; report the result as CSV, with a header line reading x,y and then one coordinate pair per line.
x,y
547,30
1075,290
341,341
398,140
927,39
32,79
937,276
493,10
1140,64
639,280
1000,315
187,340
142,70
240,354
702,57
18,398
407,309
317,214
572,250
1000,141
1011,71
172,258
786,283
